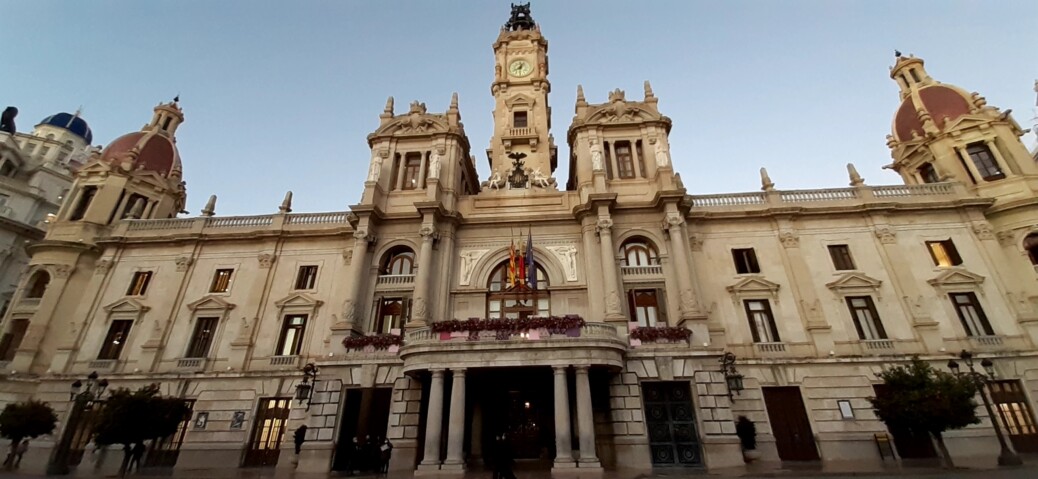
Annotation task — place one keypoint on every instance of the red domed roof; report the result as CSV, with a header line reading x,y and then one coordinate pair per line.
x,y
156,152
944,105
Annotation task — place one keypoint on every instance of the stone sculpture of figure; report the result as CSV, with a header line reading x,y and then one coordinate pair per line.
x,y
538,179
662,156
7,119
434,165
376,167
495,180
596,157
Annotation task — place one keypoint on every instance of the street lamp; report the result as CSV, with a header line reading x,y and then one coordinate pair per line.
x,y
1007,457
82,396
94,388
731,376
305,389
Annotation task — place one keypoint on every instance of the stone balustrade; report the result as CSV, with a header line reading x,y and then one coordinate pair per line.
x,y
641,271
825,197
215,225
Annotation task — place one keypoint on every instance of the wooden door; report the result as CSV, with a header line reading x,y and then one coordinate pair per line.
x,y
1015,411
789,424
671,420
909,444
267,432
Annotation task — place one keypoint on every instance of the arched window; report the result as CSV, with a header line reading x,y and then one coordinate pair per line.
x,y
639,252
1031,245
506,299
38,285
397,262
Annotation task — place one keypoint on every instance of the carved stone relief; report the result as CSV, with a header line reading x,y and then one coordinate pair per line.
x,y
567,256
469,259
265,260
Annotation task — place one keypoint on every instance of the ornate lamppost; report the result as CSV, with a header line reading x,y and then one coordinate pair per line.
x,y
305,389
1007,457
83,396
731,376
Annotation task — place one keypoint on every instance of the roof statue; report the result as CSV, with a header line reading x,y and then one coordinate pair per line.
x,y
521,19
7,119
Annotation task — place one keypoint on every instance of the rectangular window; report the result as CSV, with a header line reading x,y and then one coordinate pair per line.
x,y
866,319
984,161
943,253
307,277
841,256
971,314
85,198
745,261
291,339
645,306
519,119
762,322
391,314
221,281
202,338
412,163
139,284
928,174
624,160
115,339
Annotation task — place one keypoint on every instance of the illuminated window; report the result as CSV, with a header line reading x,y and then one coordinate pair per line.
x,y
139,283
221,281
943,253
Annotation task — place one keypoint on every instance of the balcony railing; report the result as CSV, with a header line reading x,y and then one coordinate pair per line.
x,y
395,279
878,345
770,348
284,360
316,218
191,363
29,303
521,132
239,221
636,271
102,364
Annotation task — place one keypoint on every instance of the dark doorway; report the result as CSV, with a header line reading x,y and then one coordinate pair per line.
x,y
789,424
364,417
517,402
267,433
910,444
164,452
671,419
1016,414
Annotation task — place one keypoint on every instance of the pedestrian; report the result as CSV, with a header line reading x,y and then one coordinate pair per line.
x,y
504,459
300,437
20,451
136,454
370,454
385,454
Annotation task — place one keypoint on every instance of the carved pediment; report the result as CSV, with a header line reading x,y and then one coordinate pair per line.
x,y
956,278
95,166
298,300
520,99
621,112
965,122
854,282
414,124
127,305
754,285
211,303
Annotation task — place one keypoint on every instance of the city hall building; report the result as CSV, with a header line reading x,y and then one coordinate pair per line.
x,y
586,318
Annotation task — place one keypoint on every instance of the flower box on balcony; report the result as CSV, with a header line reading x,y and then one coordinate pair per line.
x,y
370,344
662,334
476,329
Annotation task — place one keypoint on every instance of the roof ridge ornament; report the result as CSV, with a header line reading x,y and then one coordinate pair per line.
x,y
520,18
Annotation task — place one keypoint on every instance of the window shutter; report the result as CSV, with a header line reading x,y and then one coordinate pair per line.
x,y
661,302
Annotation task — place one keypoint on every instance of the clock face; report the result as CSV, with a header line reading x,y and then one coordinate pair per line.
x,y
520,68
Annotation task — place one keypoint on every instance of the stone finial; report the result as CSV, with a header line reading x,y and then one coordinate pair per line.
x,y
765,180
454,101
286,204
210,206
856,179
648,91
389,106
580,95
617,95
138,209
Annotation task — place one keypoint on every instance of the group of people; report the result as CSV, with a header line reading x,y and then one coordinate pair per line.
x,y
369,455
14,458
501,459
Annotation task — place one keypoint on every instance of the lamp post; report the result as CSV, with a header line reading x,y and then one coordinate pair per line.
x,y
82,396
1007,457
305,389
731,376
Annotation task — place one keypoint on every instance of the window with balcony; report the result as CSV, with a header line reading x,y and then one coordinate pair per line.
x,y
38,285
412,166
762,321
306,278
221,280
202,337
967,307
646,308
639,252
392,313
509,296
866,319
290,341
115,340
984,161
519,119
139,283
745,261
841,256
624,159
943,253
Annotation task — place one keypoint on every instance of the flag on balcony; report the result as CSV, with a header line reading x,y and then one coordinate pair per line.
x,y
521,260
531,269
511,263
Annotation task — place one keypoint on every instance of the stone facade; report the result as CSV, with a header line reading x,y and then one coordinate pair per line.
x,y
814,291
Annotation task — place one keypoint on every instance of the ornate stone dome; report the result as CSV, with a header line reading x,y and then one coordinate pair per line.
x,y
943,103
70,122
145,150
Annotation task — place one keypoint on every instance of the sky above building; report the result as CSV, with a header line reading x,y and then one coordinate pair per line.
x,y
281,95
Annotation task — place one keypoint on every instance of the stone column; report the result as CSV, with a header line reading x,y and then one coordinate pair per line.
x,y
613,160
456,425
422,169
357,279
689,304
1007,168
420,311
585,420
970,165
563,438
612,285
399,162
433,423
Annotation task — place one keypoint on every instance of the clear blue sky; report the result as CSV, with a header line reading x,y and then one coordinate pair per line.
x,y
281,95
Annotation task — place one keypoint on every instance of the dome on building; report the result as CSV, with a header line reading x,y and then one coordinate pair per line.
x,y
71,122
943,103
146,149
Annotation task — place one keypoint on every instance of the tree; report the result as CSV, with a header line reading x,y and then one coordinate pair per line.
x,y
29,419
922,399
132,417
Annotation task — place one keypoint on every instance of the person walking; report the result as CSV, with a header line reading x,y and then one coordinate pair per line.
x,y
136,454
299,437
385,454
20,451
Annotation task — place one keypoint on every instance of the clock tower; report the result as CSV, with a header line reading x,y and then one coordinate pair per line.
x,y
522,117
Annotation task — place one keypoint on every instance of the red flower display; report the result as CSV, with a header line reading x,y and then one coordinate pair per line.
x,y
663,333
380,341
507,327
